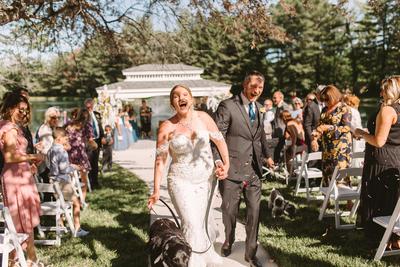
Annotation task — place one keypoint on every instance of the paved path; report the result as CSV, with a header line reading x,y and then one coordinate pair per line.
x,y
140,160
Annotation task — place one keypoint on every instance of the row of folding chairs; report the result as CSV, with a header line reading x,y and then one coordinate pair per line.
x,y
336,192
58,209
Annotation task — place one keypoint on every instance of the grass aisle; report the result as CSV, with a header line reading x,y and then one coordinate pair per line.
x,y
305,241
118,221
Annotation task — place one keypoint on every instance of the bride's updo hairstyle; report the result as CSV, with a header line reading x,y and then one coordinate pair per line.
x,y
391,90
171,94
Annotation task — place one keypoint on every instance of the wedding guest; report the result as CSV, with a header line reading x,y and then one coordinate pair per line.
x,y
297,112
335,135
60,171
145,120
311,116
133,123
269,116
18,186
358,145
294,133
79,135
122,134
98,133
279,125
25,128
108,141
380,187
45,139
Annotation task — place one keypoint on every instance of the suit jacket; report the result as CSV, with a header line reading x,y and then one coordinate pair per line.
x,y
101,130
311,116
246,142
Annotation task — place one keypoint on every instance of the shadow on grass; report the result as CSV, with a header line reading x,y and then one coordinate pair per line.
x,y
118,222
305,241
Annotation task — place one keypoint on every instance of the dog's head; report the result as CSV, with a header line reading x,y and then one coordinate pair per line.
x,y
177,253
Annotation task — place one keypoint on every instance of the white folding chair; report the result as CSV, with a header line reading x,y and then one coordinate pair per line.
x,y
340,193
392,225
55,208
77,186
10,240
307,173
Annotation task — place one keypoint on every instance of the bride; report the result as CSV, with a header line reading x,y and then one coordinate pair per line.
x,y
185,137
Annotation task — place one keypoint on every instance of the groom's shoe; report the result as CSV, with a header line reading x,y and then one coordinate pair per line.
x,y
254,262
226,249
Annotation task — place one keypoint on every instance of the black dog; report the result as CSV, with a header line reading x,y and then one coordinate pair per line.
x,y
279,205
167,245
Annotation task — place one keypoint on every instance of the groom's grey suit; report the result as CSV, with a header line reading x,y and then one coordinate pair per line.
x,y
247,148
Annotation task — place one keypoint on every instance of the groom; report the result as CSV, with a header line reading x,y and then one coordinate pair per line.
x,y
240,121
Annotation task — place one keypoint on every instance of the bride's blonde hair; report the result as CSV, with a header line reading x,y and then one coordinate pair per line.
x,y
391,88
171,94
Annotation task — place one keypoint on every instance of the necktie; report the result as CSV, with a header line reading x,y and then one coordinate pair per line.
x,y
252,114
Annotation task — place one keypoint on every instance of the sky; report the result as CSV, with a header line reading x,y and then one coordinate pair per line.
x,y
162,20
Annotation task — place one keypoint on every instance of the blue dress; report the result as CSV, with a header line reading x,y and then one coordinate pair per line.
x,y
125,140
135,130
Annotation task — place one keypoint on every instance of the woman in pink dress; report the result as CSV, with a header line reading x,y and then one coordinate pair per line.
x,y
19,190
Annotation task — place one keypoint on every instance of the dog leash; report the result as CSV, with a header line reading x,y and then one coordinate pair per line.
x,y
213,185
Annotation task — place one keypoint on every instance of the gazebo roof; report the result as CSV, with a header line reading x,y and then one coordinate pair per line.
x,y
157,80
162,67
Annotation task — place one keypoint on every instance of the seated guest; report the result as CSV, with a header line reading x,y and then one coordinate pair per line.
x,y
380,184
60,171
294,133
334,133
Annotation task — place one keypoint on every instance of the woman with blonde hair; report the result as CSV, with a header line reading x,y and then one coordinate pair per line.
x,y
380,188
185,137
334,132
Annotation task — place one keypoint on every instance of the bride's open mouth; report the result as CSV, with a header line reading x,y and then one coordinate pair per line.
x,y
183,104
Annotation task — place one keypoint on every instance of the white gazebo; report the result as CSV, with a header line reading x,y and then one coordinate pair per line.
x,y
152,80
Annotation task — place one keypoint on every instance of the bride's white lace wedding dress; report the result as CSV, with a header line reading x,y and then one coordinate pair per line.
x,y
189,181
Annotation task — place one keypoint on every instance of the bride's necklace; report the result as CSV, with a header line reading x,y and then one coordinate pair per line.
x,y
186,124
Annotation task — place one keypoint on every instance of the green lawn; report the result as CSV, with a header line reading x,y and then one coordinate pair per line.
x,y
305,241
118,221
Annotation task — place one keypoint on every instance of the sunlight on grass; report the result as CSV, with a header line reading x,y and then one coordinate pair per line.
x,y
305,241
118,221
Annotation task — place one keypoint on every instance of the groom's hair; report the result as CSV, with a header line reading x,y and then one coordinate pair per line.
x,y
253,73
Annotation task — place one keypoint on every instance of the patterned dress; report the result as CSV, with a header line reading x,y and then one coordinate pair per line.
x,y
19,190
336,143
78,140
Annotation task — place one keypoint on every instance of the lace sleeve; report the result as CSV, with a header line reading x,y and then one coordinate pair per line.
x,y
216,135
162,149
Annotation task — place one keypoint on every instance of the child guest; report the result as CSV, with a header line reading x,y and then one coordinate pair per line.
x,y
60,170
107,141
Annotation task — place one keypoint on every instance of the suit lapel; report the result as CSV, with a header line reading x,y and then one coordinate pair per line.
x,y
246,118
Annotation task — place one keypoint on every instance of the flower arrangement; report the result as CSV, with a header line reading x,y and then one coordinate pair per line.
x,y
214,99
107,105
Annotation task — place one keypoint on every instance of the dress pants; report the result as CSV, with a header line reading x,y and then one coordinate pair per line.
x,y
231,192
94,164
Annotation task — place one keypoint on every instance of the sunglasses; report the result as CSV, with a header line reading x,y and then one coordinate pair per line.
x,y
23,111
54,117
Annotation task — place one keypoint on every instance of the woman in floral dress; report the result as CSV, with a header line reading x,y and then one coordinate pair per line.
x,y
79,133
334,133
